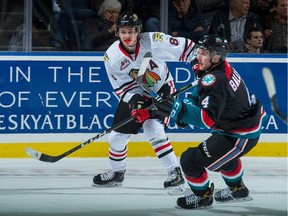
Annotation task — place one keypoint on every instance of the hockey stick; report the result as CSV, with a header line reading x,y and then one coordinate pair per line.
x,y
48,158
51,159
270,85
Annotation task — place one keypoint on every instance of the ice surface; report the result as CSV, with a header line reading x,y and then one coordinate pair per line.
x,y
29,187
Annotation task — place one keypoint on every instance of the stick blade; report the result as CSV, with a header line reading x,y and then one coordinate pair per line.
x,y
269,81
33,153
40,156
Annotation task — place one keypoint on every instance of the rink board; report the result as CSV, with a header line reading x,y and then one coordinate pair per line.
x,y
55,101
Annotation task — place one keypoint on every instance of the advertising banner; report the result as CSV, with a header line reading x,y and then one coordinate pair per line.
x,y
71,93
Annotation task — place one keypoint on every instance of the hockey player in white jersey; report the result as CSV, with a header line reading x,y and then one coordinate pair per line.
x,y
123,59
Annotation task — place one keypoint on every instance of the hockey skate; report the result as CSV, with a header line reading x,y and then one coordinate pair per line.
x,y
174,184
197,202
233,194
109,179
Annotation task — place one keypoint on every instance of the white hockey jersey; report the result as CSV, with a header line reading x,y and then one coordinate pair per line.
x,y
119,63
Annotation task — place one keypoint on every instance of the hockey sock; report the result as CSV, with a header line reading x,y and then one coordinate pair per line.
x,y
233,177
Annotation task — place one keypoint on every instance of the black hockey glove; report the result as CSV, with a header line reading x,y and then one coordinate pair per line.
x,y
164,107
181,124
137,102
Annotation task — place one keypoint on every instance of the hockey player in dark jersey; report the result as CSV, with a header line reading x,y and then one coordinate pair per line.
x,y
122,59
223,103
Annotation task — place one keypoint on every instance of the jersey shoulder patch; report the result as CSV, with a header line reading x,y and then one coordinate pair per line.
x,y
208,80
106,58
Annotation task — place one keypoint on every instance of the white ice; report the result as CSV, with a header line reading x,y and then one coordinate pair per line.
x,y
29,187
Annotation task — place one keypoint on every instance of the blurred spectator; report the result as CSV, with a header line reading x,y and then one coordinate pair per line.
x,y
151,18
71,21
99,33
127,6
234,24
42,11
275,28
254,40
262,8
185,20
210,7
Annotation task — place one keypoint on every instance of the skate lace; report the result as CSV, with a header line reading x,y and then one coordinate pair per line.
x,y
226,193
108,175
192,200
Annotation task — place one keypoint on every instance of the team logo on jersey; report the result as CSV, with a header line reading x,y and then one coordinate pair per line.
x,y
106,58
208,80
124,64
157,37
150,78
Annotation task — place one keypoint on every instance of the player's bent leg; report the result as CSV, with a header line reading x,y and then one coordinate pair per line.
x,y
154,131
236,191
117,157
201,195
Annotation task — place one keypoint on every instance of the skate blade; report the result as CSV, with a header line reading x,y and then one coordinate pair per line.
x,y
177,190
199,208
114,184
245,199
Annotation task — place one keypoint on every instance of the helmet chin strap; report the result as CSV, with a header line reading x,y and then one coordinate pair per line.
x,y
214,64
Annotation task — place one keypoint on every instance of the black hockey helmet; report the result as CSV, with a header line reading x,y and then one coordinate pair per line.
x,y
215,44
129,20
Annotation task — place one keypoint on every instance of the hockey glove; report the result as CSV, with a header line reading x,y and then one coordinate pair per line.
x,y
181,124
140,115
137,102
138,109
164,107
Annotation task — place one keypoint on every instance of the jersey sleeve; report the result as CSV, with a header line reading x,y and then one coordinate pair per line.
x,y
172,48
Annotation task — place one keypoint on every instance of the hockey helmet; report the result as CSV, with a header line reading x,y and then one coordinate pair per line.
x,y
215,44
129,20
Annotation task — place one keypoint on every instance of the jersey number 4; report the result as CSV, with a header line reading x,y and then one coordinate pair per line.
x,y
205,102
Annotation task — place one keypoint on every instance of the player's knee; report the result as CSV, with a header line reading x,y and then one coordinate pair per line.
x,y
188,163
118,141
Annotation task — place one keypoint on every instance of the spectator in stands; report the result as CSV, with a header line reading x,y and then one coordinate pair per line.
x,y
185,20
262,8
72,17
99,33
151,17
127,6
234,23
210,7
254,40
275,28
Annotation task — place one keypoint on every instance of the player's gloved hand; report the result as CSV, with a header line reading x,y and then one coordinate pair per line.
x,y
181,124
138,109
137,102
134,73
164,107
141,115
